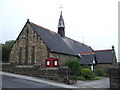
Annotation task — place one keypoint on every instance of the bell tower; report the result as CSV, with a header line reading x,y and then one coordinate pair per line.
x,y
61,26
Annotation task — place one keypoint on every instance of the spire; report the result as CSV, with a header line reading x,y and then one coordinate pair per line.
x,y
61,26
61,21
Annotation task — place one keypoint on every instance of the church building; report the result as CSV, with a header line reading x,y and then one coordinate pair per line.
x,y
35,44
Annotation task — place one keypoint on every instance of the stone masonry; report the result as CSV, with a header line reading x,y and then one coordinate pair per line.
x,y
103,67
114,73
28,38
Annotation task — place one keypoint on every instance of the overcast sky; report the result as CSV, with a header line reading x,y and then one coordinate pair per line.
x,y
94,22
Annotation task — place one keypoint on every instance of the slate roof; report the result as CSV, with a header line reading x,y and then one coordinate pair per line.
x,y
104,56
87,59
59,44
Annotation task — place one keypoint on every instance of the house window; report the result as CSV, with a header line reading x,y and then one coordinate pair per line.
x,y
92,68
33,55
93,61
20,55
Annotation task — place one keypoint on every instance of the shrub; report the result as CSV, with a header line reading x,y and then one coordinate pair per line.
x,y
87,74
96,78
72,77
85,66
77,78
80,78
118,63
100,73
74,66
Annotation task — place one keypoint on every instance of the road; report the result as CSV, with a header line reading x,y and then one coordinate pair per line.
x,y
12,82
102,83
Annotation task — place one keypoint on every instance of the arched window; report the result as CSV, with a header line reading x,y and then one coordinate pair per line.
x,y
27,32
20,55
26,51
27,46
33,55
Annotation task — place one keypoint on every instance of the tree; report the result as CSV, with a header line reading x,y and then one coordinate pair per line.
x,y
74,66
6,48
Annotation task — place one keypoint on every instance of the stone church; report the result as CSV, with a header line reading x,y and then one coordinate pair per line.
x,y
35,44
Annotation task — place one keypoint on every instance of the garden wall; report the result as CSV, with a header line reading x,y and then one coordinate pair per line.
x,y
114,73
58,74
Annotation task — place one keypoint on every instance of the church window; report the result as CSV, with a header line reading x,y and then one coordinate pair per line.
x,y
27,32
20,55
33,55
26,51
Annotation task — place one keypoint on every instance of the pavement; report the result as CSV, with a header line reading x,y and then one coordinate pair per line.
x,y
102,83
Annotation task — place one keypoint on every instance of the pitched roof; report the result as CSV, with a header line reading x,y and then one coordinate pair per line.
x,y
87,59
104,56
59,44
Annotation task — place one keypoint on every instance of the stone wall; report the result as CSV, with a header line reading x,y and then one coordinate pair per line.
x,y
103,67
58,74
33,40
114,73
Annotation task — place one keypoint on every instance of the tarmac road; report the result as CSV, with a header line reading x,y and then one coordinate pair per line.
x,y
12,82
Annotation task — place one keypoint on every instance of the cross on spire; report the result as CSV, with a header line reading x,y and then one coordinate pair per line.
x,y
61,7
61,25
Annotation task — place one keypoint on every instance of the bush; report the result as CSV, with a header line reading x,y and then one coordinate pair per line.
x,y
87,74
85,66
118,63
96,78
74,66
100,73
72,77
80,78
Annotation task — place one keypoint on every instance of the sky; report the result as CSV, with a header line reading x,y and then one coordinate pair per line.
x,y
94,22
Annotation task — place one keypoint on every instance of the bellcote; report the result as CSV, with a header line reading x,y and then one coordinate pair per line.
x,y
61,26
61,21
